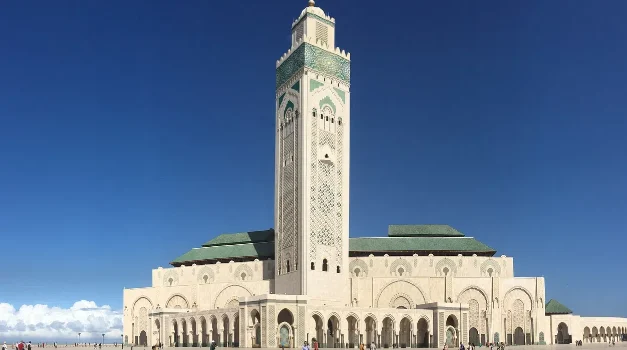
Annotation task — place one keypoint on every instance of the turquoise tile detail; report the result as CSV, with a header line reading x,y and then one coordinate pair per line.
x,y
289,105
314,84
314,58
281,99
327,101
296,86
341,93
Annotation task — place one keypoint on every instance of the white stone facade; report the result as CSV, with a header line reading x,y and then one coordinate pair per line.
x,y
314,288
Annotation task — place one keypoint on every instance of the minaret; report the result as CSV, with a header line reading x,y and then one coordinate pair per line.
x,y
312,161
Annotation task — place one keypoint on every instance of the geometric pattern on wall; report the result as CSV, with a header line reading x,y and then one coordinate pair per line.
x,y
177,302
264,327
490,263
448,263
358,263
287,220
518,314
243,273
170,278
325,191
143,319
478,305
272,328
400,267
316,58
205,275
301,324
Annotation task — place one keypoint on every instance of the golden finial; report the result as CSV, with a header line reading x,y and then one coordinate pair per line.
x,y
312,3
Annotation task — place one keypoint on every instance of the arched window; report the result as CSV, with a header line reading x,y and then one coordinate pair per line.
x,y
325,267
338,269
313,265
288,266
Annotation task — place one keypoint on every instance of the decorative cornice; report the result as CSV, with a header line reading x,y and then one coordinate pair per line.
x,y
324,20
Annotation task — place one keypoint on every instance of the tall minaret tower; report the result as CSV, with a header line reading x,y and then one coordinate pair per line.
x,y
312,162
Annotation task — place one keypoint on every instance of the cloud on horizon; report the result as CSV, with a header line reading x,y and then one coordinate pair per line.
x,y
42,323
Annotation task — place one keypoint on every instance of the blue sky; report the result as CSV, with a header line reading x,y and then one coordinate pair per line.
x,y
133,131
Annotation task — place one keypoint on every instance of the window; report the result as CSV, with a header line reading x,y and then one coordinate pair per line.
x,y
324,265
357,271
313,265
400,271
338,269
205,278
327,118
243,275
288,266
171,280
314,112
490,272
446,270
332,120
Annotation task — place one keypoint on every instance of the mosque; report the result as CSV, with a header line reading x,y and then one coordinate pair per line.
x,y
420,286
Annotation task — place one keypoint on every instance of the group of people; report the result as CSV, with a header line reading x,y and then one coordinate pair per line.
x,y
18,346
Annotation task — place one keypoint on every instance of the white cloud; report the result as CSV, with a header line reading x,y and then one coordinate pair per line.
x,y
42,323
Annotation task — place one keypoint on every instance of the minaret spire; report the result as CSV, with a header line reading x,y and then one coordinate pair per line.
x,y
312,3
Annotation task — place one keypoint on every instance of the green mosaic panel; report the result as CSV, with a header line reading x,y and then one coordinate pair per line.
x,y
296,86
281,99
327,101
341,93
327,62
314,84
312,15
315,58
290,66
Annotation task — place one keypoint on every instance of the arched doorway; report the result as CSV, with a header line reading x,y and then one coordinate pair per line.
x,y
387,333
562,334
215,334
236,331
285,321
143,339
319,331
595,334
226,339
586,334
184,332
194,340
204,332
371,328
422,336
519,336
157,337
404,334
175,334
255,319
452,331
333,326
353,332
473,334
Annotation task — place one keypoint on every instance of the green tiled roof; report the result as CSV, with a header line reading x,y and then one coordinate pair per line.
x,y
249,250
402,239
423,231
555,307
431,244
243,237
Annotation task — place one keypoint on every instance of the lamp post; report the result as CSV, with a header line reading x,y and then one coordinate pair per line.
x,y
79,337
103,338
122,336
